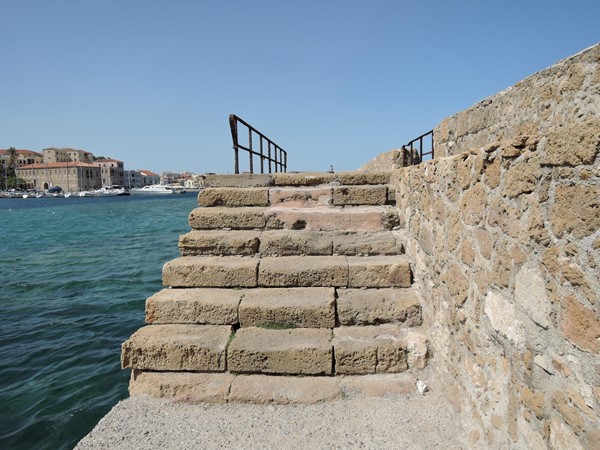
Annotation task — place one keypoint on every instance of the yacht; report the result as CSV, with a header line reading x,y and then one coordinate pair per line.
x,y
155,189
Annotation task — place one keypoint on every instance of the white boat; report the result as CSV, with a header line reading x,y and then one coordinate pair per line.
x,y
155,189
111,191
88,194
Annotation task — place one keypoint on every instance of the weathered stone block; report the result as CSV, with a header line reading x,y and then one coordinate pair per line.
x,y
185,387
194,306
300,197
302,179
282,390
573,145
303,271
239,180
234,197
300,307
580,325
354,178
375,306
210,271
359,195
370,349
290,243
356,218
216,242
521,178
576,210
306,351
223,217
380,243
177,347
379,272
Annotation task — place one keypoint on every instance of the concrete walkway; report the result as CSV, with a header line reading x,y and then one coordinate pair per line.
x,y
401,422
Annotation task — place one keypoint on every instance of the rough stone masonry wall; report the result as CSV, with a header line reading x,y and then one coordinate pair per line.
x,y
505,244
566,93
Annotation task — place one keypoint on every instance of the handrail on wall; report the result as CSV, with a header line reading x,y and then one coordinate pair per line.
x,y
412,155
275,155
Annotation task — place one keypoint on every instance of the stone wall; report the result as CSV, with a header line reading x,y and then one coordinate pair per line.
x,y
564,94
505,242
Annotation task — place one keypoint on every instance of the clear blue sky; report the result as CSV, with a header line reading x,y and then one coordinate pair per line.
x,y
333,82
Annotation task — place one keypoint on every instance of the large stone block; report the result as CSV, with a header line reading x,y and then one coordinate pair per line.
x,y
576,210
305,351
380,243
194,306
302,179
303,271
282,390
185,387
222,217
177,348
355,218
239,180
370,349
300,307
234,197
300,197
210,271
291,243
375,306
580,325
354,178
379,272
216,242
359,195
573,145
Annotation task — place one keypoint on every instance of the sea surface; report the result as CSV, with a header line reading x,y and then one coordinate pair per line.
x,y
74,276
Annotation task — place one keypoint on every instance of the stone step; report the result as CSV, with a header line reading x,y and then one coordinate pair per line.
x,y
177,348
378,349
288,243
266,389
313,307
288,271
295,307
318,218
378,306
299,351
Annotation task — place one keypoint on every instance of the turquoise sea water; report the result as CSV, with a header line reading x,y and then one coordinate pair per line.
x,y
74,275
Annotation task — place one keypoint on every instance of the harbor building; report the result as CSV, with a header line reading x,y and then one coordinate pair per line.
x,y
70,176
112,171
21,157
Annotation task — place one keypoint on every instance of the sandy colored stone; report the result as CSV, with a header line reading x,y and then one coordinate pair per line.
x,y
580,325
381,243
561,403
194,306
521,178
376,306
188,387
301,197
302,178
492,174
300,307
329,218
359,195
379,272
217,242
354,178
576,210
303,271
306,351
210,271
531,296
503,316
534,400
473,204
573,145
223,217
177,348
282,390
239,180
234,197
369,349
294,243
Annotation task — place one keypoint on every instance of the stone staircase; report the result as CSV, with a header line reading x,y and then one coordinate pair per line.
x,y
290,288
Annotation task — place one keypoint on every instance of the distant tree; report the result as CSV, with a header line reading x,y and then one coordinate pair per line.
x,y
9,168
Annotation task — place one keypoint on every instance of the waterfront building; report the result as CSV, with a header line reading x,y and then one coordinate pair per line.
x,y
53,155
140,178
112,171
22,157
70,176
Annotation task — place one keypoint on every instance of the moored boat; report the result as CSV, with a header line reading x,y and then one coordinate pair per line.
x,y
155,189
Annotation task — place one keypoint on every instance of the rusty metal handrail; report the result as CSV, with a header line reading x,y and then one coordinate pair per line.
x,y
412,155
275,154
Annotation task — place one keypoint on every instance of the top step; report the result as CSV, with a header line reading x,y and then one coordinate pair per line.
x,y
297,179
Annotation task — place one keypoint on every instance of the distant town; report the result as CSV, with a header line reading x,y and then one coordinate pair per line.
x,y
74,170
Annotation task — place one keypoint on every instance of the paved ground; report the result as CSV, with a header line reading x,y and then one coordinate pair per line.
x,y
402,422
